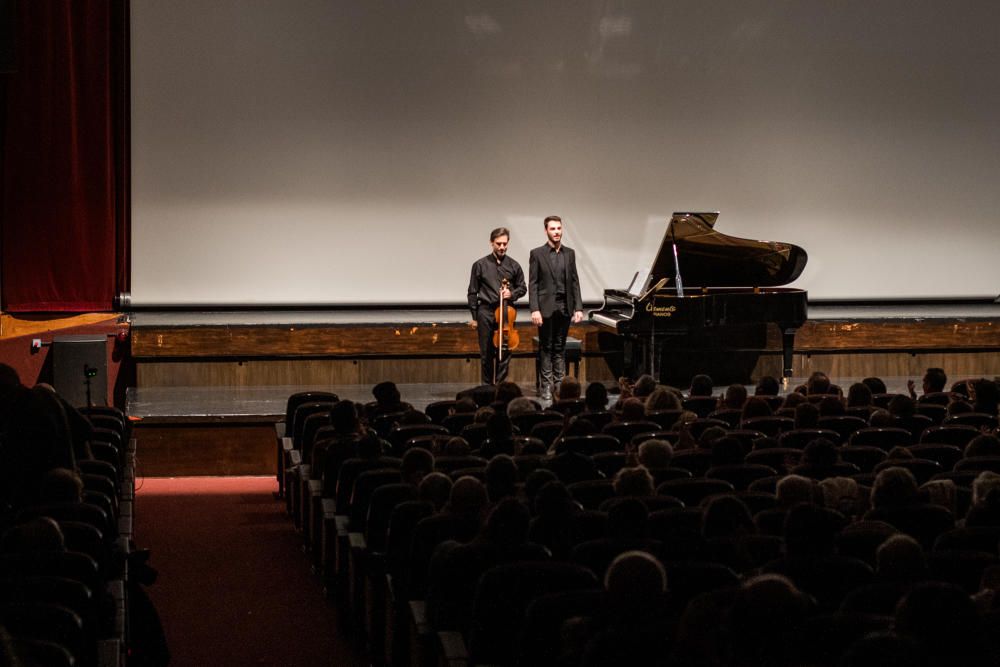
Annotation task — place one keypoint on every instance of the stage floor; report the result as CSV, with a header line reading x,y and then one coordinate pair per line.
x,y
166,403
457,315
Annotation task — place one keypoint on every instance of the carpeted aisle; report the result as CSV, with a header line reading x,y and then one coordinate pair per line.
x,y
234,587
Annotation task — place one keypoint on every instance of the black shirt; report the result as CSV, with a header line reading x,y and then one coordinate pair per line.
x,y
557,260
484,284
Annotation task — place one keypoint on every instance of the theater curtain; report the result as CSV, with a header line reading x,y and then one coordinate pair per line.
x,y
65,232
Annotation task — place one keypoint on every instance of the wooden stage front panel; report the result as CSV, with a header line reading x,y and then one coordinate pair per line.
x,y
227,355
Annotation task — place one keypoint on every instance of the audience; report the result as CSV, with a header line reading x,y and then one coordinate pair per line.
x,y
596,398
762,608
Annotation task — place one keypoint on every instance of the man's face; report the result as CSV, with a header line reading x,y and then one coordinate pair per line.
x,y
500,246
553,228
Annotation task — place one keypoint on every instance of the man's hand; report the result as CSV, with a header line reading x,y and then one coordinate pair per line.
x,y
536,318
473,324
578,317
911,387
505,293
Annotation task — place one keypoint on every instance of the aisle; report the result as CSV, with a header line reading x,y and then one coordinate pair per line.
x,y
234,585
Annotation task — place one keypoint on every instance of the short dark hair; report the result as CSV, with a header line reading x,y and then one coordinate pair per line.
x,y
498,232
936,379
550,218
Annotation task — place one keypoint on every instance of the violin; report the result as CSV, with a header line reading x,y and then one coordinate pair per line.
x,y
505,337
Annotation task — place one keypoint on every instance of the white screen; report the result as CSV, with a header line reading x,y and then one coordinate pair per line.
x,y
359,152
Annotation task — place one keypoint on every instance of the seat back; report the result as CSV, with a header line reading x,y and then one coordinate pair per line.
x,y
798,438
731,416
702,424
700,405
438,410
502,598
598,419
883,438
692,491
844,425
458,421
547,431
383,502
667,419
591,493
782,459
865,457
978,464
525,422
697,461
740,475
589,445
772,426
364,488
569,406
400,435
623,432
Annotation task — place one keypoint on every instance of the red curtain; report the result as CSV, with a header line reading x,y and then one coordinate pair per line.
x,y
65,232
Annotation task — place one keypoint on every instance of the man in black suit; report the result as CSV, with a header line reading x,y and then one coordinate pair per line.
x,y
554,297
488,274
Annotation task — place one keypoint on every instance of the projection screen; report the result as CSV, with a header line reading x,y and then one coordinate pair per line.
x,y
311,152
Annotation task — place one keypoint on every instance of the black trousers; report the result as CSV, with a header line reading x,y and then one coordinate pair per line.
x,y
485,326
552,347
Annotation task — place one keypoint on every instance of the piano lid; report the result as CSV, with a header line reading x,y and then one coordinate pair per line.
x,y
709,258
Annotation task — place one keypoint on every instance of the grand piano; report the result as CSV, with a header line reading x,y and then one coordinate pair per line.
x,y
704,306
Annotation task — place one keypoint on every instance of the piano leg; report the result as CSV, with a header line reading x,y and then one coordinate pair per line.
x,y
787,347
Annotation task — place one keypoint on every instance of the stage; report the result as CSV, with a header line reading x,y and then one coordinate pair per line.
x,y
211,384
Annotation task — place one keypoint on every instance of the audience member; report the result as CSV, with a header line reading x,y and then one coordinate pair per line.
x,y
793,400
435,488
945,623
818,383
985,396
767,385
506,392
568,389
734,398
499,437
894,487
632,410
661,399
483,414
501,478
985,444
655,454
596,399
701,385
456,446
934,382
859,395
387,400
727,516
637,482
985,509
521,406
806,416
831,406
876,385
727,450
755,407
763,624
643,387
416,464
902,406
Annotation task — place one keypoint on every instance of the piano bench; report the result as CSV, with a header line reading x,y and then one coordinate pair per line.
x,y
574,352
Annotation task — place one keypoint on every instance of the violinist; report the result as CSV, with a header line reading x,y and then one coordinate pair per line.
x,y
485,292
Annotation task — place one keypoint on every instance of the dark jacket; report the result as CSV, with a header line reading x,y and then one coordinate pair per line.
x,y
541,282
